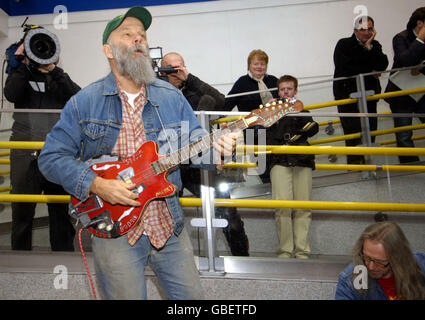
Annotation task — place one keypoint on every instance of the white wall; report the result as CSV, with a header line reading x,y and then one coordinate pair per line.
x,y
216,37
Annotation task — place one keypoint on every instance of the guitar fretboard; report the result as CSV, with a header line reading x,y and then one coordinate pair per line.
x,y
195,148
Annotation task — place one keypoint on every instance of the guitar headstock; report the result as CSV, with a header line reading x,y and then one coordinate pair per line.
x,y
271,113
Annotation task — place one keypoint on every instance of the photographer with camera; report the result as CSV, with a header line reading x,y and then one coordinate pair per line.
x,y
37,83
202,96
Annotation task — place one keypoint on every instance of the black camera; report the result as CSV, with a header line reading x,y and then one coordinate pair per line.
x,y
156,55
41,47
166,70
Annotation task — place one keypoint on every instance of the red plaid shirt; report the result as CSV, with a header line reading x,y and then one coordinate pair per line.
x,y
156,220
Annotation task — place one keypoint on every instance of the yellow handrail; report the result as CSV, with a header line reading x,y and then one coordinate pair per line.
x,y
38,198
324,123
393,94
369,98
372,133
357,167
245,149
369,167
244,203
21,144
329,104
341,102
315,205
392,141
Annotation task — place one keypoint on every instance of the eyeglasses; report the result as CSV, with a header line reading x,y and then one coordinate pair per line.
x,y
368,259
365,29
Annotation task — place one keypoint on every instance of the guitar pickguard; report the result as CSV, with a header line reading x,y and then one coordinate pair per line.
x,y
109,221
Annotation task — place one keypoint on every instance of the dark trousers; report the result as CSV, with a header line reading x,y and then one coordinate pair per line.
x,y
404,139
353,125
27,179
235,231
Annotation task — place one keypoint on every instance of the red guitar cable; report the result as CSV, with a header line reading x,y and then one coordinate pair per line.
x,y
85,262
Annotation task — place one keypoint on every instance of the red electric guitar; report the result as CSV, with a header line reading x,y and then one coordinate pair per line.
x,y
148,171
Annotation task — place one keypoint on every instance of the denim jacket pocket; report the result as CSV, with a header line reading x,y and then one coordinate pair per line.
x,y
94,129
94,134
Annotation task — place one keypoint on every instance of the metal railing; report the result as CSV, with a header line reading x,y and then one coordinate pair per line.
x,y
207,201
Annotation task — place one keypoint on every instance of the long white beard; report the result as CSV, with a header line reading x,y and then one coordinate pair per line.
x,y
138,68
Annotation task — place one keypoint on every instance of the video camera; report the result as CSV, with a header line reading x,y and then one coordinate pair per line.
x,y
156,55
41,47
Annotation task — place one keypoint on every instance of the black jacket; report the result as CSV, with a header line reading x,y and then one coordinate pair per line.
x,y
407,52
199,94
24,87
289,131
351,58
251,101
29,88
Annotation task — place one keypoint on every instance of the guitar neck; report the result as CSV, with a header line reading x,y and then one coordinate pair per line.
x,y
204,144
264,116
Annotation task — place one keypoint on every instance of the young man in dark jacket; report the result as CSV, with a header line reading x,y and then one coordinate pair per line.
x,y
36,87
409,50
291,176
360,53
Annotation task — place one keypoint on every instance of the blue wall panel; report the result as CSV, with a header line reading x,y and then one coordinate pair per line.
x,y
29,7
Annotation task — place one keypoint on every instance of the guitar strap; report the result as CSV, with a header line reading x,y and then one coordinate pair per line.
x,y
163,127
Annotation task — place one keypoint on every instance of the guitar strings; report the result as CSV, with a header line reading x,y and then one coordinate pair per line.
x,y
170,163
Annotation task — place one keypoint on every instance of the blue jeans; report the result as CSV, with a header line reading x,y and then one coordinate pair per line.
x,y
120,268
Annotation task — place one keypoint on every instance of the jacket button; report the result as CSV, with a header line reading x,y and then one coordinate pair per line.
x,y
117,121
107,147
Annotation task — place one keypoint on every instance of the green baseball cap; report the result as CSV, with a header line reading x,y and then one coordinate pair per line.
x,y
138,12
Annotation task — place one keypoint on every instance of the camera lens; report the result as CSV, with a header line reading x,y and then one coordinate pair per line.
x,y
42,46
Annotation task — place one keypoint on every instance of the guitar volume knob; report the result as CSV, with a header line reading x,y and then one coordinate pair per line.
x,y
101,226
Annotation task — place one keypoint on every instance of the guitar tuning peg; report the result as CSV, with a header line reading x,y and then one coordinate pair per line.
x,y
280,102
274,103
267,104
261,106
273,108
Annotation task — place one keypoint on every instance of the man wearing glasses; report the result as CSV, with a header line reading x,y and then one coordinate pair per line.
x,y
360,53
384,267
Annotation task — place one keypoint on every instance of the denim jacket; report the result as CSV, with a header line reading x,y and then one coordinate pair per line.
x,y
345,289
89,127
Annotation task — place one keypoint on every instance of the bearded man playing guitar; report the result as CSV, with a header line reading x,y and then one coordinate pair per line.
x,y
129,114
